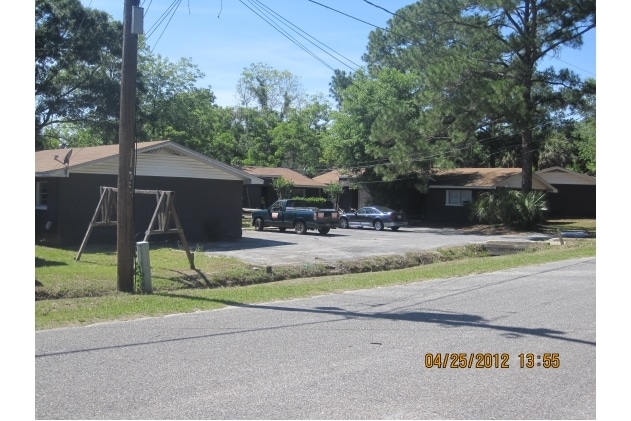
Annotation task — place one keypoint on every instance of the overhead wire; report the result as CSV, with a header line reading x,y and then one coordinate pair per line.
x,y
380,7
310,36
416,23
363,21
284,33
272,15
346,14
376,163
277,22
362,165
167,15
432,157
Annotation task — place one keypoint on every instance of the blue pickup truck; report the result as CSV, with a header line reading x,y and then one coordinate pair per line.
x,y
297,215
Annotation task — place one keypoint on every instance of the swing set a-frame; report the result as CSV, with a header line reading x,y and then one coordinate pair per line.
x,y
164,220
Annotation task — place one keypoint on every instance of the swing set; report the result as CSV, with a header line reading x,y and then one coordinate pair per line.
x,y
164,220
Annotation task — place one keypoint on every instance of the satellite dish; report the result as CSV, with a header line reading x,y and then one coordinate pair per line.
x,y
67,157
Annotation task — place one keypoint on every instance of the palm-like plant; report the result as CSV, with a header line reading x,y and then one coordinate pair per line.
x,y
511,208
486,209
531,208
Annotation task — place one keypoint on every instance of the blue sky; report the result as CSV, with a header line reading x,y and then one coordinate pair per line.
x,y
222,37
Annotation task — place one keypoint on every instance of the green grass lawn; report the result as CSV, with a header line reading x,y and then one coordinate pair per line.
x,y
587,225
72,293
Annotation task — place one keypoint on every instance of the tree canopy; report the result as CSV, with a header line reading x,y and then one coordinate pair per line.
x,y
77,67
473,69
447,83
269,89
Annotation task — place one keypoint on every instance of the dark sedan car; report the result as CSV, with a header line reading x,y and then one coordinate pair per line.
x,y
377,217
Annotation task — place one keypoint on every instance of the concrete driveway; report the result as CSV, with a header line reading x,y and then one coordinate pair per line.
x,y
272,247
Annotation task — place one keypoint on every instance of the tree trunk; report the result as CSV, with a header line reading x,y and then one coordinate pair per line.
x,y
526,160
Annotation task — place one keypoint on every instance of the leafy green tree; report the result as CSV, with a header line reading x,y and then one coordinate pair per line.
x,y
585,134
339,81
571,142
334,191
346,144
77,71
223,140
282,187
266,88
477,63
376,134
163,87
72,135
171,106
293,141
193,120
298,139
276,124
186,117
253,130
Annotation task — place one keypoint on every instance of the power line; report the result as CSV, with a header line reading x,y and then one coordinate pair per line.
x,y
380,7
432,157
319,42
416,23
347,15
273,16
169,13
302,47
276,21
357,66
576,67
363,21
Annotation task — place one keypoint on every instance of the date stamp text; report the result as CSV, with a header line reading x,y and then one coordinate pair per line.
x,y
491,360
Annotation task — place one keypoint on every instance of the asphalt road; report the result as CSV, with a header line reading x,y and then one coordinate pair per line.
x,y
359,355
272,247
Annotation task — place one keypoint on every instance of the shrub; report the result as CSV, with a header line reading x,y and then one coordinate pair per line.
x,y
511,208
316,202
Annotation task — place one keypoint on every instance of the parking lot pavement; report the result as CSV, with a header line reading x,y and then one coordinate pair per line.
x,y
273,248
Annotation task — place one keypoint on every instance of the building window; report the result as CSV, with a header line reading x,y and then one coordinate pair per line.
x,y
41,195
458,197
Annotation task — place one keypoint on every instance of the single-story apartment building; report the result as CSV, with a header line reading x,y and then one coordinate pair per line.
x,y
353,196
449,191
68,182
576,193
257,196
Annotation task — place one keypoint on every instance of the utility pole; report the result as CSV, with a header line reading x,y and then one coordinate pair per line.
x,y
126,154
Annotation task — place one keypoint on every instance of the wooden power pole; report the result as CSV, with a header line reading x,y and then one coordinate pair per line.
x,y
126,148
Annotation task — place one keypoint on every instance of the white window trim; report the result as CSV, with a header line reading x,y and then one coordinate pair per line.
x,y
38,195
467,199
